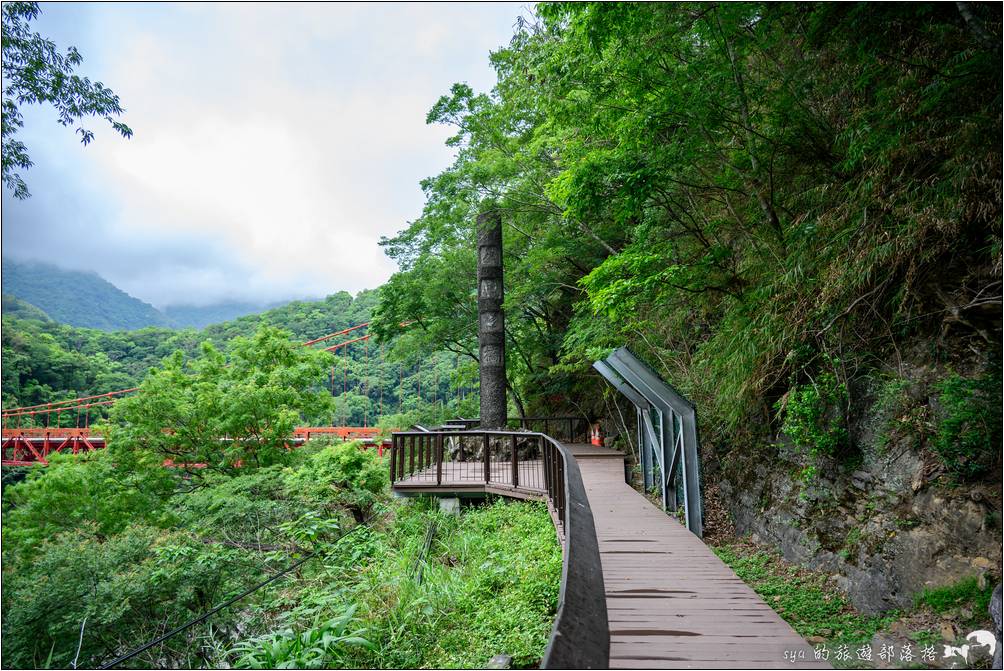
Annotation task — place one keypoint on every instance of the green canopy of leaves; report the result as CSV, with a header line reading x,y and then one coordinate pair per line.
x,y
735,190
220,411
35,72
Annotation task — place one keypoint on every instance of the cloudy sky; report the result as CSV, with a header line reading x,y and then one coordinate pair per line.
x,y
274,144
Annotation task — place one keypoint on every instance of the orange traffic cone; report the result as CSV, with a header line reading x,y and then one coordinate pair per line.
x,y
597,435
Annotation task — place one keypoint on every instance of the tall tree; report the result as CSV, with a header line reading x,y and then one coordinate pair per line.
x,y
736,189
225,410
35,72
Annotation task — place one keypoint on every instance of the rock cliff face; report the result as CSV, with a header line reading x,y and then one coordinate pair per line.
x,y
912,499
887,527
881,556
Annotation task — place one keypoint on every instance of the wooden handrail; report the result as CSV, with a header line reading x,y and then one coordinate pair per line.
x,y
580,638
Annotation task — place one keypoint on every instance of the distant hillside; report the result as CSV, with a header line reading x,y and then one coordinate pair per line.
x,y
44,360
184,316
15,307
77,298
304,319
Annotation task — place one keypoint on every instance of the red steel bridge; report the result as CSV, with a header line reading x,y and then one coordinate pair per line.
x,y
44,433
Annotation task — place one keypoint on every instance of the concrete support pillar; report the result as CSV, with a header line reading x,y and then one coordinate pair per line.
x,y
450,506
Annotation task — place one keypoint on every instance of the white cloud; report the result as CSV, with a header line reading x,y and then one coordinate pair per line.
x,y
287,137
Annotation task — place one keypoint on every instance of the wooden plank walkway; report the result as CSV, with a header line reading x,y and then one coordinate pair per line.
x,y
671,602
469,476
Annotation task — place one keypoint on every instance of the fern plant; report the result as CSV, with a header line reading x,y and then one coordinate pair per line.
x,y
311,648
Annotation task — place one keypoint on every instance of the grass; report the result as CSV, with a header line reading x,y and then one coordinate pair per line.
x,y
489,586
803,598
965,594
821,614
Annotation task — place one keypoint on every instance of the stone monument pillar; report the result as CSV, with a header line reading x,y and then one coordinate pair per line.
x,y
491,321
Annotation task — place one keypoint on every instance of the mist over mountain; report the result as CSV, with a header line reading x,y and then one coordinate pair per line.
x,y
77,298
199,316
81,298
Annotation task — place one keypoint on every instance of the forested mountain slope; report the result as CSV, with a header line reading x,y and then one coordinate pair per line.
x,y
77,298
86,299
15,307
793,211
45,361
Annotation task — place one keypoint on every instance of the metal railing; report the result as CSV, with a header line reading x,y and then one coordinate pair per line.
x,y
566,428
506,460
529,463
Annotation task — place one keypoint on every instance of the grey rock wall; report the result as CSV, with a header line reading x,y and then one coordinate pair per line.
x,y
884,530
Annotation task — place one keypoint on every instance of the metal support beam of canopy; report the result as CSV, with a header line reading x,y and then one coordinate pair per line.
x,y
667,432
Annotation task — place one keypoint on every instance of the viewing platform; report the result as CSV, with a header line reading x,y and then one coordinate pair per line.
x,y
638,589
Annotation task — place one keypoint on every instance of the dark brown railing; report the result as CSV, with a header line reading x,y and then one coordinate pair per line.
x,y
531,464
517,461
571,429
568,429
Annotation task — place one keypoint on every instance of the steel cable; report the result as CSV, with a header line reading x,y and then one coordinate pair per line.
x,y
205,616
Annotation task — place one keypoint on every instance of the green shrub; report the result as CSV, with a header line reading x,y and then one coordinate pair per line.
x,y
313,647
344,474
91,488
129,587
968,440
966,592
814,416
489,585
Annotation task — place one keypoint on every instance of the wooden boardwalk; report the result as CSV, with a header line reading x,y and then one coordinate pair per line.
x,y
462,477
671,602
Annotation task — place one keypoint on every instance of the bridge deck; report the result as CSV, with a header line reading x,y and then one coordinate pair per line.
x,y
671,603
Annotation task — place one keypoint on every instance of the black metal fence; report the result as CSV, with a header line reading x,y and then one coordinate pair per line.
x,y
515,460
568,429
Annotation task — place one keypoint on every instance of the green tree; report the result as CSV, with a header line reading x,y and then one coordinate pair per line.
x,y
343,474
35,72
225,410
735,190
94,488
118,589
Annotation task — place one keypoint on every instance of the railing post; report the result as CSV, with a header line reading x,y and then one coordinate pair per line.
x,y
411,456
394,440
515,463
548,468
560,463
488,455
555,466
400,459
439,459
